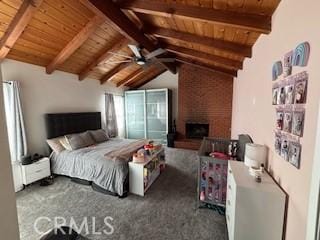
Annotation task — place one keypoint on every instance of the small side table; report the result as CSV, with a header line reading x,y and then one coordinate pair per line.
x,y
36,171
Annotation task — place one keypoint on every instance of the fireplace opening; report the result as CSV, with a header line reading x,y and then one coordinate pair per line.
x,y
197,130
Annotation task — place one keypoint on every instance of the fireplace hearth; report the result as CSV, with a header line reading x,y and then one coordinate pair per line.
x,y
197,130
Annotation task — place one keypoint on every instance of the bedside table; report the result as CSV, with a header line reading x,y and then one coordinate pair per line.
x,y
36,171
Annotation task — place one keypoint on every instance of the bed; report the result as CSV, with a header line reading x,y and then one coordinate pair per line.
x,y
104,165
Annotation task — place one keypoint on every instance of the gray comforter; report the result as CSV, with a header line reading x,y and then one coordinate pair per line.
x,y
91,164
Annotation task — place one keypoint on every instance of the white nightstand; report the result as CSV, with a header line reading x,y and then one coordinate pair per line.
x,y
36,171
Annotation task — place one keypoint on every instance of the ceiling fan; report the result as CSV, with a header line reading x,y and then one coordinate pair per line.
x,y
139,58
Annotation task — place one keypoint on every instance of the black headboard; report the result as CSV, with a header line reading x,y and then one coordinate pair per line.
x,y
59,124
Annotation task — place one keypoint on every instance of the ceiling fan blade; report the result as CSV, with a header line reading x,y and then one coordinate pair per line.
x,y
155,53
166,59
120,55
115,62
146,65
158,65
135,50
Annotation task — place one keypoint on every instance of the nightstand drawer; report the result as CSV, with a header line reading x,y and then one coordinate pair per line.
x,y
35,171
35,167
37,175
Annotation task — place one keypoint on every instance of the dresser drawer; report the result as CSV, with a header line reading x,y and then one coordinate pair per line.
x,y
231,185
230,208
230,203
230,226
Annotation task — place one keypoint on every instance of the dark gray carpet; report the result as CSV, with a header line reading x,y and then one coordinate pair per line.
x,y
168,211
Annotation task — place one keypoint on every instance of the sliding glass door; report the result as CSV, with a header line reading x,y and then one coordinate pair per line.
x,y
135,114
157,114
147,114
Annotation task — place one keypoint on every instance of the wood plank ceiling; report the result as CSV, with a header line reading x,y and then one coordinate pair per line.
x,y
77,36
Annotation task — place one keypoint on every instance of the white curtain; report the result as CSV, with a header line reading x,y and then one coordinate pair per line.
x,y
111,118
15,123
119,107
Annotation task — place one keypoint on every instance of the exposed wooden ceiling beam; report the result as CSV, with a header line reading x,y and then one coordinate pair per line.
x,y
131,76
104,56
147,79
109,76
138,76
241,50
256,23
204,56
75,43
218,70
22,18
123,24
134,18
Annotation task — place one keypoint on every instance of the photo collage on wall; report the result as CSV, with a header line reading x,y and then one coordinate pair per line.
x,y
289,96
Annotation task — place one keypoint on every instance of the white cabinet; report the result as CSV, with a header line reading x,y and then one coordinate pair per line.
x,y
148,114
36,171
254,211
143,175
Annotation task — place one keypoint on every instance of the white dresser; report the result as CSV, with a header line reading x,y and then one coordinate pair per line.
x,y
36,171
254,211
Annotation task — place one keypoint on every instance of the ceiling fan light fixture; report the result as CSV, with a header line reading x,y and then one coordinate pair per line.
x,y
140,62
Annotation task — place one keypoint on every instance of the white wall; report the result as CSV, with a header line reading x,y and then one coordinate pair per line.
x,y
294,22
166,80
314,190
8,212
56,93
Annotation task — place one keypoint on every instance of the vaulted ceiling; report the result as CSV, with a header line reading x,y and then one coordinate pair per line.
x,y
90,37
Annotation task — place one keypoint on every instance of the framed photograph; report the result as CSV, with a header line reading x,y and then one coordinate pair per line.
x,y
279,124
281,96
287,122
300,92
277,70
277,144
275,96
285,149
287,64
298,123
289,92
295,154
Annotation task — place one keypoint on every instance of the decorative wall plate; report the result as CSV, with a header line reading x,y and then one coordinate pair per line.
x,y
301,55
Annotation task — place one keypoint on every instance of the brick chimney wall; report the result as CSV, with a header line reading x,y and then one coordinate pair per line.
x,y
204,97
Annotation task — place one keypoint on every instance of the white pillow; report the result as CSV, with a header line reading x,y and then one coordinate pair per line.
x,y
65,143
55,144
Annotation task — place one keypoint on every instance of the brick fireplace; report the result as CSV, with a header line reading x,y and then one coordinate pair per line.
x,y
204,98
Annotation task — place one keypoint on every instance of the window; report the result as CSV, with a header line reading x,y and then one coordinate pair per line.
x,y
119,107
